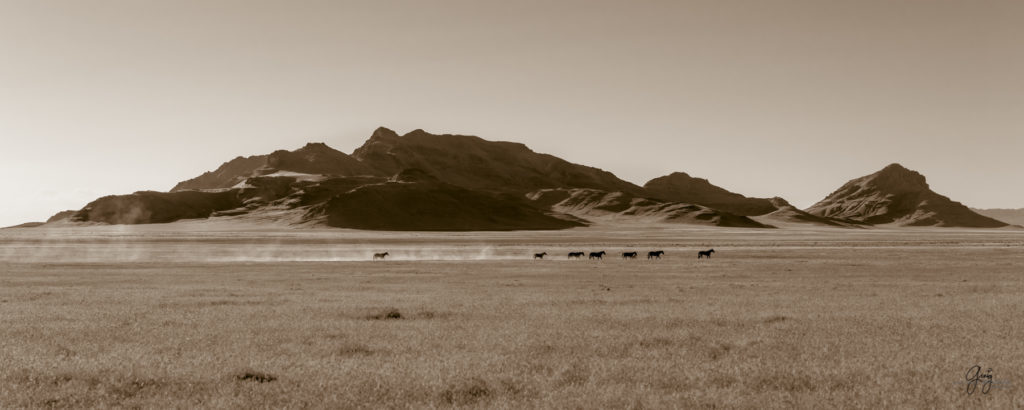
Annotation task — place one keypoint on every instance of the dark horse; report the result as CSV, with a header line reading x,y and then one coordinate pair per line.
x,y
380,256
707,253
576,255
539,255
655,254
597,255
628,255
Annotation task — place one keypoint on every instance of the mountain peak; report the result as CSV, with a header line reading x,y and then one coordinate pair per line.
x,y
383,133
896,178
316,146
895,167
678,174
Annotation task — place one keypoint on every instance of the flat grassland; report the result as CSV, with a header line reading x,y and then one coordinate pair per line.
x,y
809,319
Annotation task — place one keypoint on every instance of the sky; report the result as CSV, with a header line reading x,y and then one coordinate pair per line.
x,y
765,98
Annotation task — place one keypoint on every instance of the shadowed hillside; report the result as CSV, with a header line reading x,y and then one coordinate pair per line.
x,y
414,201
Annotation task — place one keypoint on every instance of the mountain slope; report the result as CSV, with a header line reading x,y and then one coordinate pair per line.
x,y
314,158
681,187
593,204
475,163
896,195
225,176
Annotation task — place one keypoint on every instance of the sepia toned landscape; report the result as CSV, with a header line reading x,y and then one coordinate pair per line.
x,y
167,316
486,275
569,204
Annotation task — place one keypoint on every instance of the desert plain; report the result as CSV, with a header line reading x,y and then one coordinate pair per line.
x,y
203,316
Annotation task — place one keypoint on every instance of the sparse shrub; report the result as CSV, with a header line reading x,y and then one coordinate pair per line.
x,y
387,314
134,387
255,377
576,375
65,352
353,349
775,318
657,342
467,392
430,314
716,351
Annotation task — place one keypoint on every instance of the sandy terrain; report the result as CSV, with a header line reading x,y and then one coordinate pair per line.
x,y
174,316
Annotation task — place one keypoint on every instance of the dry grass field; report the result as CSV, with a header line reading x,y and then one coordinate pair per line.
x,y
787,318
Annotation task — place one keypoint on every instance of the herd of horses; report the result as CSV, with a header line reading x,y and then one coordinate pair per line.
x,y
593,255
625,255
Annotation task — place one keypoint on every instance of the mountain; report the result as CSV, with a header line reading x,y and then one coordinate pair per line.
x,y
424,181
417,181
593,204
681,187
897,195
467,161
475,163
411,200
1013,216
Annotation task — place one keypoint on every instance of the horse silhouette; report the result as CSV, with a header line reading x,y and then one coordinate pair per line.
x,y
629,255
597,255
380,256
655,254
539,255
707,253
576,255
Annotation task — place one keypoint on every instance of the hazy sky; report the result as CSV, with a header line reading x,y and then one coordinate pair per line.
x,y
765,98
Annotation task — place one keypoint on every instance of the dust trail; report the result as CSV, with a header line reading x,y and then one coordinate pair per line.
x,y
127,244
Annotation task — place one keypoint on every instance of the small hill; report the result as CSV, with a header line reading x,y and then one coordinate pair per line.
x,y
26,225
786,213
1013,216
157,207
897,195
62,215
592,204
681,187
478,164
